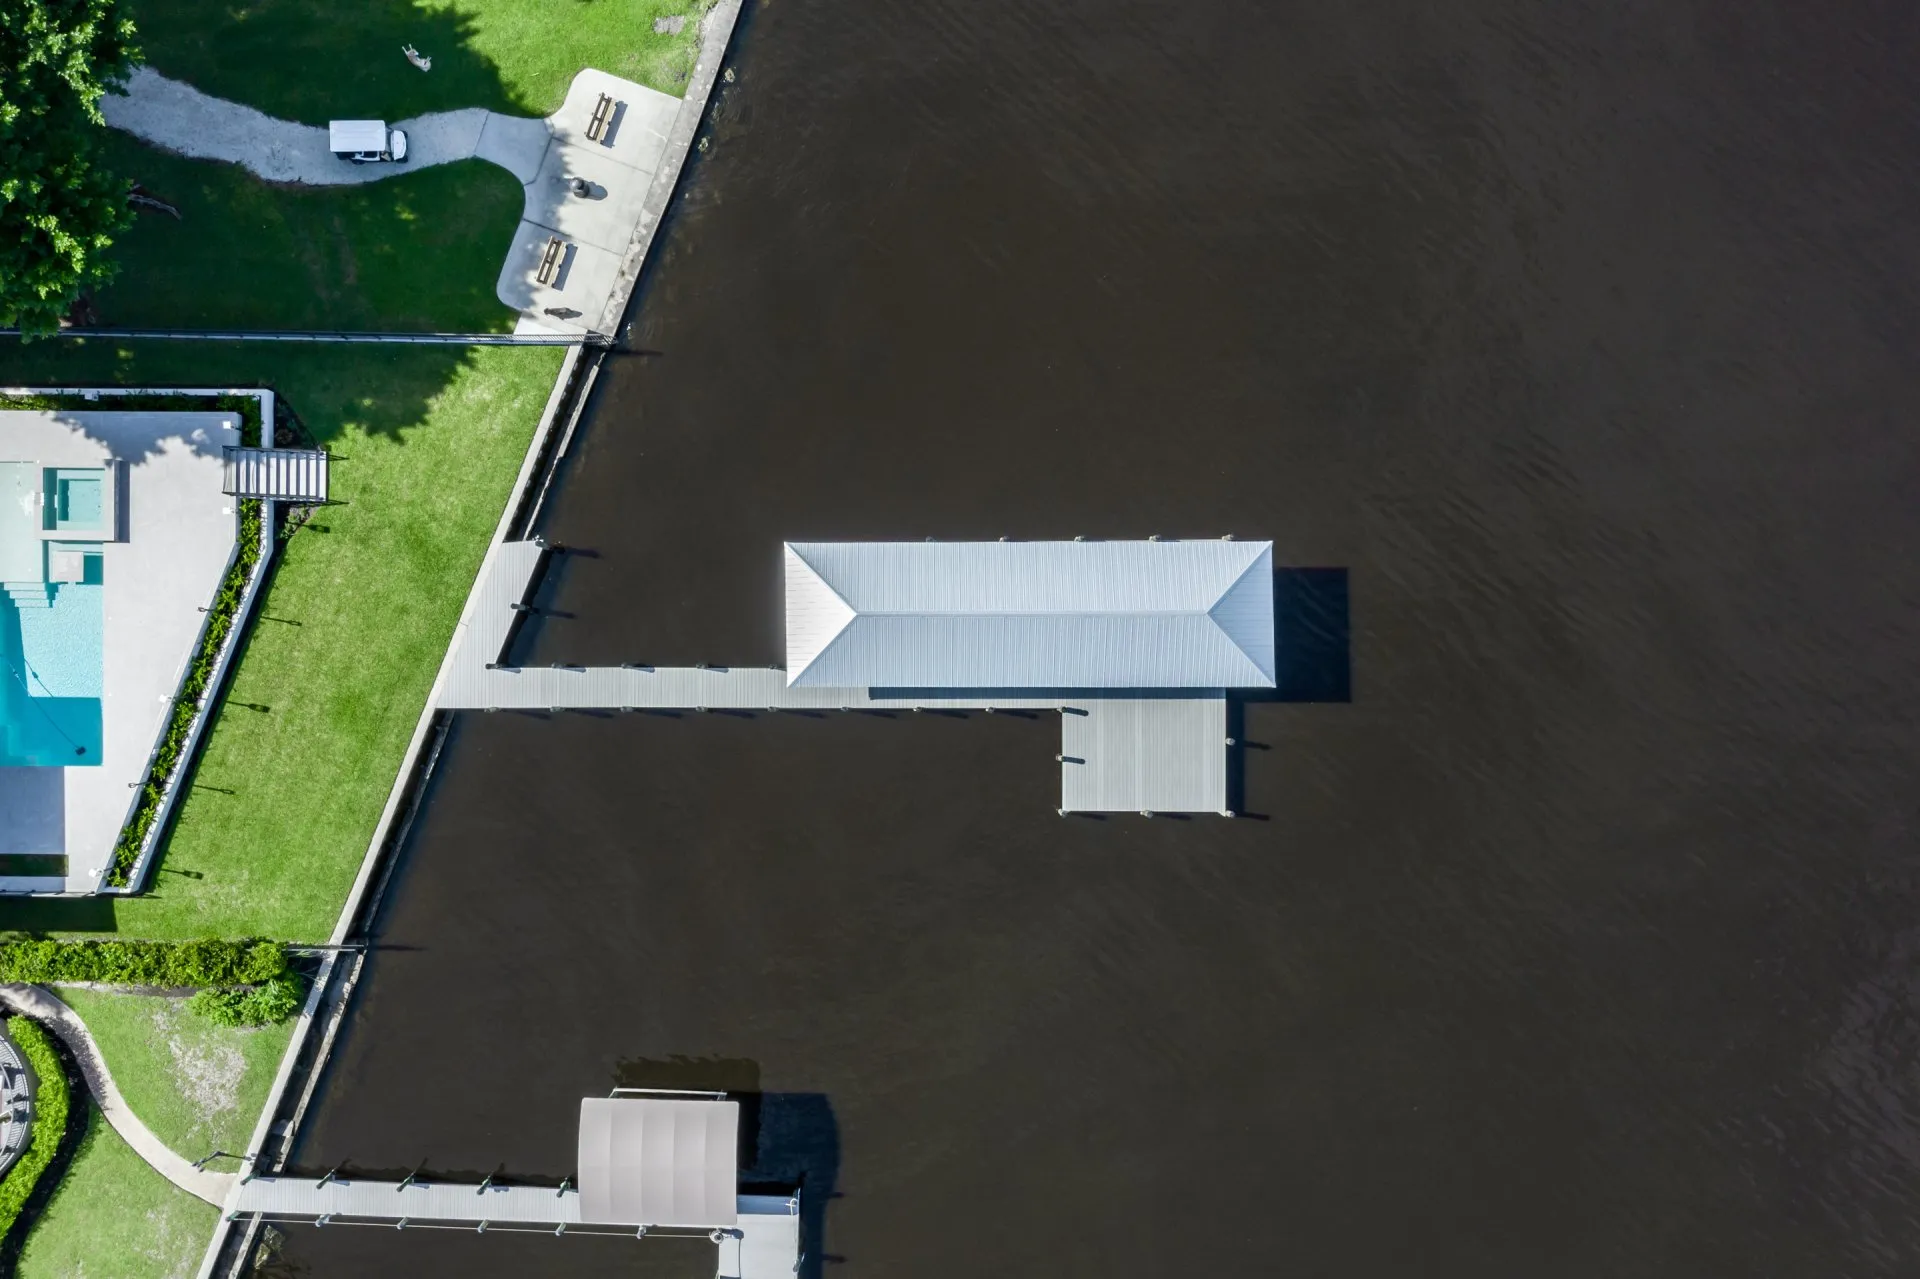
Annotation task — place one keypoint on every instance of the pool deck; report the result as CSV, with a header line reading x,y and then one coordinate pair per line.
x,y
179,536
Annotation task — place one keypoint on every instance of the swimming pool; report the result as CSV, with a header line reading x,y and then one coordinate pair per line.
x,y
51,616
50,715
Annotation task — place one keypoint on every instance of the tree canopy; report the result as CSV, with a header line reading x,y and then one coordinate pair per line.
x,y
59,209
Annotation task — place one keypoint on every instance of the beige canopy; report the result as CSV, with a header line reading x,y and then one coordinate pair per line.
x,y
658,1161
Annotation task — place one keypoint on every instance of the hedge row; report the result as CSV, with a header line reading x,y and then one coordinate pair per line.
x,y
50,1102
144,963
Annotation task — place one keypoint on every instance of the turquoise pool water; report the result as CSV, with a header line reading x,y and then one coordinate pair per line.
x,y
51,668
76,497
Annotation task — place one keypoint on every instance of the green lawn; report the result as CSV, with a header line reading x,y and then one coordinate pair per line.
x,y
115,1218
421,251
427,441
310,62
198,1086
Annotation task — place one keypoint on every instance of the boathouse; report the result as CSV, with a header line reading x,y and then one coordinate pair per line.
x,y
1030,615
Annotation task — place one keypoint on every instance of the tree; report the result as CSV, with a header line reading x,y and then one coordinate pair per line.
x,y
59,208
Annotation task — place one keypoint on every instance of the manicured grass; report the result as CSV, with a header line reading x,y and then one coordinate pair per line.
x,y
427,441
115,1218
313,62
198,1086
421,251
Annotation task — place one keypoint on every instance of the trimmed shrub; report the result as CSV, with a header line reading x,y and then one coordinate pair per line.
x,y
50,1104
264,1005
208,962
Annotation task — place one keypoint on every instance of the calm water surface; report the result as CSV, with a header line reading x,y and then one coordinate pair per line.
x,y
1579,940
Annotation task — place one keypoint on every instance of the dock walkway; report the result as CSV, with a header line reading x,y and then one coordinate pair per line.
x,y
1127,753
763,1244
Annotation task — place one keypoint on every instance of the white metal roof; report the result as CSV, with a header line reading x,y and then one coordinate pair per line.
x,y
1106,615
658,1161
356,135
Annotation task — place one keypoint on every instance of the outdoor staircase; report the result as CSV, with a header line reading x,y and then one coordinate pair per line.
x,y
28,594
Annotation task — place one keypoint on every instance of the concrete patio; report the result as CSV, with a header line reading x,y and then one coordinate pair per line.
x,y
597,228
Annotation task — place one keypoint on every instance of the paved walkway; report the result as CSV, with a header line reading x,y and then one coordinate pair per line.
x,y
43,1006
179,118
544,155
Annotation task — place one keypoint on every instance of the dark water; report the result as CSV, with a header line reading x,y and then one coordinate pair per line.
x,y
1581,940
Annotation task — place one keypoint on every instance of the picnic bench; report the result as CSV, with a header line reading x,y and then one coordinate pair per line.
x,y
602,115
550,260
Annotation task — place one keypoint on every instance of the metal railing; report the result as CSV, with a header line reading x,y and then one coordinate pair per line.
x,y
318,335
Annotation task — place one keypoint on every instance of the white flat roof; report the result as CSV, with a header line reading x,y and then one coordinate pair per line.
x,y
1095,615
356,135
649,1161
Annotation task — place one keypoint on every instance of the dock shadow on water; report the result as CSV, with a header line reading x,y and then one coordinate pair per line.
x,y
1313,636
788,1140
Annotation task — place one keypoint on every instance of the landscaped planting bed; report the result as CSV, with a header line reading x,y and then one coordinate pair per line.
x,y
51,1103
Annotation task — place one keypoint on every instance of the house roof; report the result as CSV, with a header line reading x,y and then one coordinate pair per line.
x,y
1105,615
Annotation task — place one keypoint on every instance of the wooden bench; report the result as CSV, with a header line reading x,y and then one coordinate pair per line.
x,y
550,260
602,113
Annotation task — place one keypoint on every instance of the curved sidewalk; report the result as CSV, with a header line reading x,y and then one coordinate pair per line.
x,y
45,1007
179,118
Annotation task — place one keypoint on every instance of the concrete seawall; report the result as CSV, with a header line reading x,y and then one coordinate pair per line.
x,y
326,1005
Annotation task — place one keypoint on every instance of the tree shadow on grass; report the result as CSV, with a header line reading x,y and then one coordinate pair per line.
x,y
312,63
419,252
337,389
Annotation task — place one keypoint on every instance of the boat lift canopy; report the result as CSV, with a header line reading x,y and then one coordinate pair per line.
x,y
659,1161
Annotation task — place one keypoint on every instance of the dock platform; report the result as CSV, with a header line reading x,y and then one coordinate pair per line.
x,y
1119,753
764,1244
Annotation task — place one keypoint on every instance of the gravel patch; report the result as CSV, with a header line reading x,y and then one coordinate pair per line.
x,y
209,1071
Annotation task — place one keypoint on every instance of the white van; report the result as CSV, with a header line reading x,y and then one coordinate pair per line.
x,y
365,141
